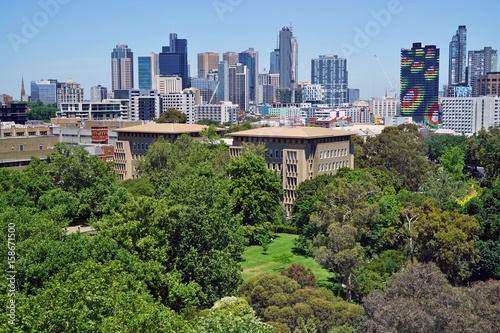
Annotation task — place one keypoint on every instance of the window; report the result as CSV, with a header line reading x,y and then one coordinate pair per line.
x,y
21,147
270,153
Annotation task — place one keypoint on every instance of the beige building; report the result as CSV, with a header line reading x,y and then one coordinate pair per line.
x,y
16,152
167,84
133,143
299,153
207,61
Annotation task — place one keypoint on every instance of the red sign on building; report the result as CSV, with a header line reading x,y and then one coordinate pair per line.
x,y
100,134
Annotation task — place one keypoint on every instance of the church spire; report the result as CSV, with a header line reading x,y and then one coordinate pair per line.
x,y
23,92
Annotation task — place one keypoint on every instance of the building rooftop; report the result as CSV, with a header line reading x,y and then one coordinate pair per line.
x,y
292,132
164,128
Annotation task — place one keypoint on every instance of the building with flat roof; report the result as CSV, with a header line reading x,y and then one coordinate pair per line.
x,y
489,84
468,115
299,153
133,143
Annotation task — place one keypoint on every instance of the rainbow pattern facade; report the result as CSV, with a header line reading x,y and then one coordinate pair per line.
x,y
420,84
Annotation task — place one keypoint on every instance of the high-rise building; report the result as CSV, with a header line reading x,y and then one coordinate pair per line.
x,y
69,92
480,62
173,60
275,62
458,57
44,91
207,61
122,68
231,57
184,101
288,57
331,72
420,84
148,69
206,88
98,94
238,85
223,75
250,58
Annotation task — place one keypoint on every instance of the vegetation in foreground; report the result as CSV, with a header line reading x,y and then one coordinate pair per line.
x,y
412,246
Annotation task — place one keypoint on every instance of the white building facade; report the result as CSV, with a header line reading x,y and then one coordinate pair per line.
x,y
468,115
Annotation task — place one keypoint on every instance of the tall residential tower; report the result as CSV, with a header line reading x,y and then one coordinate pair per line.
x,y
330,71
458,57
420,84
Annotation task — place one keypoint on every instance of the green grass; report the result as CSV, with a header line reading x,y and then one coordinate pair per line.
x,y
255,261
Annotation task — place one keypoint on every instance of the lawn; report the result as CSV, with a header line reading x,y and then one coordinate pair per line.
x,y
255,261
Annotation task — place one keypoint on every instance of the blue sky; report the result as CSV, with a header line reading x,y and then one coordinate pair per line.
x,y
74,38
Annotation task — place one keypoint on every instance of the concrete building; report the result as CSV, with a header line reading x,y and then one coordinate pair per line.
x,y
98,94
167,84
468,115
489,84
299,153
313,93
144,105
385,107
69,92
221,113
207,61
106,110
133,143
184,101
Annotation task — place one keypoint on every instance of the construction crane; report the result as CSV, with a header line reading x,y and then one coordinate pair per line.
x,y
215,92
393,88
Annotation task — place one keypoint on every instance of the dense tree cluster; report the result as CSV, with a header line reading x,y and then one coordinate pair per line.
x,y
39,111
409,200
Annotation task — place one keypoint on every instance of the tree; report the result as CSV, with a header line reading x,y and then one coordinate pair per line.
x,y
420,299
439,144
447,238
304,276
401,151
452,162
172,116
281,302
257,192
94,297
39,111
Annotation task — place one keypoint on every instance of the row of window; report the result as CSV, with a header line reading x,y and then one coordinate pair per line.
x,y
9,134
332,153
322,167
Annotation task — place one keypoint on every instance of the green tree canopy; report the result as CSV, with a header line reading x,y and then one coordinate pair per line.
x,y
172,116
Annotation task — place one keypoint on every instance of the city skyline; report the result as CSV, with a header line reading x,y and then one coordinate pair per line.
x,y
379,28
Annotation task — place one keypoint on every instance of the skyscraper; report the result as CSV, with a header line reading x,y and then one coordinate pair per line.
x,y
275,62
480,62
173,60
250,58
458,57
238,85
122,68
148,69
420,84
288,48
231,57
331,72
207,61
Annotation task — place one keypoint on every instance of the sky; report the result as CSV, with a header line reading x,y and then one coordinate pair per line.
x,y
73,39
